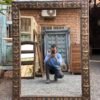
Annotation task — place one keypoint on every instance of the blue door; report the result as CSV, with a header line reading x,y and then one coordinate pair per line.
x,y
62,39
5,47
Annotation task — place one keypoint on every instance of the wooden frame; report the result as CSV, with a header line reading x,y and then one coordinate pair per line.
x,y
31,30
76,4
28,62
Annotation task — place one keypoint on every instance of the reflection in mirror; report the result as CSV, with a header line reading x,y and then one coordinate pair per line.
x,y
35,47
27,48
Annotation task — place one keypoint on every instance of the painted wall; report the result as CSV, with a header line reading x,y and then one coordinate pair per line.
x,y
2,34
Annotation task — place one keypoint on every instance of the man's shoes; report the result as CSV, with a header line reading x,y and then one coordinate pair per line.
x,y
55,78
48,81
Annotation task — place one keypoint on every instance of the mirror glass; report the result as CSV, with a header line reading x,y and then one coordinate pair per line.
x,y
37,36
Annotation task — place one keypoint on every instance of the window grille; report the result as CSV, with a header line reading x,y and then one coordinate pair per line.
x,y
52,27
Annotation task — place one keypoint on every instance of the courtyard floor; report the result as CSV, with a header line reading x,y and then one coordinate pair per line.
x,y
6,84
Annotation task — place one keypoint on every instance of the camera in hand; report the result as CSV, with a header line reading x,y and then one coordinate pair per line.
x,y
53,52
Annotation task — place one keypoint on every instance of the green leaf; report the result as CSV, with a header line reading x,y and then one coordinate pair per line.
x,y
6,2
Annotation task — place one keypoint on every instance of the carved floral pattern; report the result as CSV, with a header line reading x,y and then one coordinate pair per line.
x,y
84,6
85,50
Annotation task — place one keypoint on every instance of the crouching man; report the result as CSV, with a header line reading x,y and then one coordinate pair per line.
x,y
53,62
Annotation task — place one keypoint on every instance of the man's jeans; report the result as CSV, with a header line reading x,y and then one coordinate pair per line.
x,y
53,70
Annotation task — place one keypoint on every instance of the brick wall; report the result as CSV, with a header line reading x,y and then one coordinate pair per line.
x,y
69,18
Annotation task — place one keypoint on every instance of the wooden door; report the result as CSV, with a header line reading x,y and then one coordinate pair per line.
x,y
6,46
61,39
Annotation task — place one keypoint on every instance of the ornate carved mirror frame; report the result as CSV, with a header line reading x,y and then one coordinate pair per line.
x,y
83,5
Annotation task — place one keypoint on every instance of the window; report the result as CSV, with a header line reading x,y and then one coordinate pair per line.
x,y
25,29
25,24
28,26
53,27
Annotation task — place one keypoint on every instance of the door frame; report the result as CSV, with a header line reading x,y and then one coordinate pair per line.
x,y
57,32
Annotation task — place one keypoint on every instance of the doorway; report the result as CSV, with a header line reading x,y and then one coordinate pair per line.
x,y
61,38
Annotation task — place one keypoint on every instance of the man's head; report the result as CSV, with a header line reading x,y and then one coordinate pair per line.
x,y
53,48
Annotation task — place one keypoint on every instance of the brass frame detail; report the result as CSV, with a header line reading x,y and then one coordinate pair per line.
x,y
72,4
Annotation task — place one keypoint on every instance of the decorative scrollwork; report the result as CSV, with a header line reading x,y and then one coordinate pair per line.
x,y
84,6
85,50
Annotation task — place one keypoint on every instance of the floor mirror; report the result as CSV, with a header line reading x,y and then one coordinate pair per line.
x,y
33,36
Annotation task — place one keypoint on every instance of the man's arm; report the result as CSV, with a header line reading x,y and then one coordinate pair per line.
x,y
59,59
47,58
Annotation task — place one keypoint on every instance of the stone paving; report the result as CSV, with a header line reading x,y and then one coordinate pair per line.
x,y
5,89
6,85
95,80
70,85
